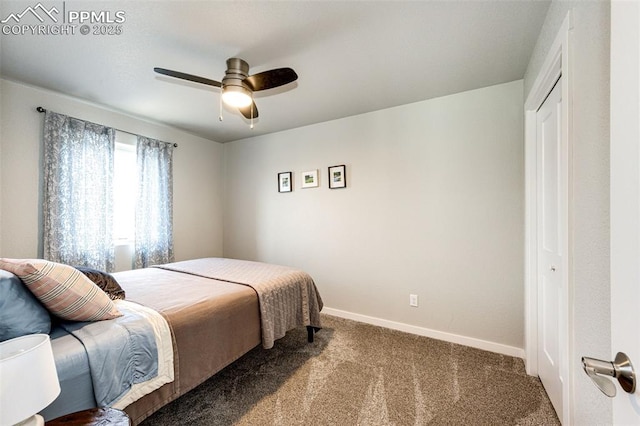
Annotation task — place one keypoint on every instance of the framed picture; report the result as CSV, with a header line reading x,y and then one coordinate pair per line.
x,y
284,182
310,179
337,177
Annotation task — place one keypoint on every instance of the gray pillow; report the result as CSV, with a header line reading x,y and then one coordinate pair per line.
x,y
20,312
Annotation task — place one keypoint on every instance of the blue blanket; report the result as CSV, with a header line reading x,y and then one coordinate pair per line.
x,y
121,352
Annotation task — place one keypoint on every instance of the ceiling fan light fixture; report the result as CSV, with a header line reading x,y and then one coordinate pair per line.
x,y
237,86
236,96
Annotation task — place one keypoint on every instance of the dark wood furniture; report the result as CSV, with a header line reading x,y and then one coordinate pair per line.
x,y
93,417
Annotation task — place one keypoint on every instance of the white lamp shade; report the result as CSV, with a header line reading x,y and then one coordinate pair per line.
x,y
28,377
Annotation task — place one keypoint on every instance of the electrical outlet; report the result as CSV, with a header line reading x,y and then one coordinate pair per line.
x,y
413,300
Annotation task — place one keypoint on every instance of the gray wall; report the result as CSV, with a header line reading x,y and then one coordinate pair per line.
x,y
434,206
198,172
590,203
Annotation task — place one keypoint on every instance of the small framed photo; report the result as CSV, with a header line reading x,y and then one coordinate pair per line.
x,y
337,177
284,182
310,179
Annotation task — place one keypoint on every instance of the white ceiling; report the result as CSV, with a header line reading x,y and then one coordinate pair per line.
x,y
351,57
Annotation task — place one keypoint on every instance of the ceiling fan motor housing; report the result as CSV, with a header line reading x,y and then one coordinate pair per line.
x,y
237,72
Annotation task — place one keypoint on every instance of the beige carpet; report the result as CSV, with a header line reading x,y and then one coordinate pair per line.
x,y
357,374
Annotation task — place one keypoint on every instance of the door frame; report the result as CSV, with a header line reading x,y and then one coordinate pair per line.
x,y
557,64
625,196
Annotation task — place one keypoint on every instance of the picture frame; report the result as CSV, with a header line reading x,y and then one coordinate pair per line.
x,y
309,179
285,183
337,176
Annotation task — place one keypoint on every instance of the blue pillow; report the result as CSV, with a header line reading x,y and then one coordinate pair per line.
x,y
20,312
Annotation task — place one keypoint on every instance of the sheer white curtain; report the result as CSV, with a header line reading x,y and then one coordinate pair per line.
x,y
154,209
78,192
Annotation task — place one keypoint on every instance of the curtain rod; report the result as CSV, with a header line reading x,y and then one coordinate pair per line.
x,y
42,111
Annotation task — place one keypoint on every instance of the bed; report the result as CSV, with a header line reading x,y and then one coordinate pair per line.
x,y
216,310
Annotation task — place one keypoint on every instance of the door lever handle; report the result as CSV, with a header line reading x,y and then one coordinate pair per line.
x,y
599,371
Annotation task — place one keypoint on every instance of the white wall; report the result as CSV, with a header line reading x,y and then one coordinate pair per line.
x,y
198,173
434,206
590,204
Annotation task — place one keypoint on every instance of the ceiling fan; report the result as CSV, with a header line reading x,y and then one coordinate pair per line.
x,y
238,86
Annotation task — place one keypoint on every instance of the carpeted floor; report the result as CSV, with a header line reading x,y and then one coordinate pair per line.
x,y
357,374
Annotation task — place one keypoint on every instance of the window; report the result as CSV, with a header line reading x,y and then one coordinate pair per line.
x,y
102,188
125,186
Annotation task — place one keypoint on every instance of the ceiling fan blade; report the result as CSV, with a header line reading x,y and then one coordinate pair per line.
x,y
270,79
246,111
183,76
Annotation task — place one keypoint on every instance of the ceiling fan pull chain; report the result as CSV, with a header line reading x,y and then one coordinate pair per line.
x,y
252,111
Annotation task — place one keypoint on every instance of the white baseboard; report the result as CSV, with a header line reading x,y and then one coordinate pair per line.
x,y
434,334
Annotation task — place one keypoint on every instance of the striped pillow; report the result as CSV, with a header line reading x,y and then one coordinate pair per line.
x,y
64,290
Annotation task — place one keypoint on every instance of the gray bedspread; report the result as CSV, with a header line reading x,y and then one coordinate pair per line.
x,y
288,297
121,353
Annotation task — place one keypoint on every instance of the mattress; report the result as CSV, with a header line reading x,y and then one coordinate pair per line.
x,y
213,323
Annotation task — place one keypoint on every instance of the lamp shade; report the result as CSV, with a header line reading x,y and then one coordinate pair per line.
x,y
236,96
28,377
